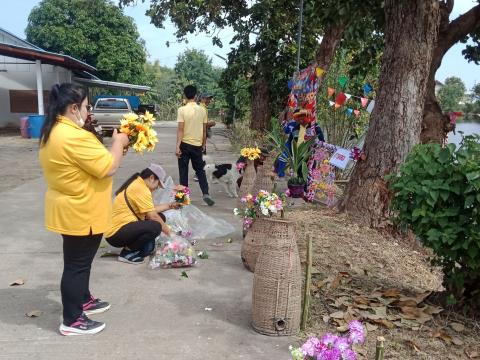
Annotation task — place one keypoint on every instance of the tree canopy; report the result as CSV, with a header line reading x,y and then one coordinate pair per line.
x,y
451,93
94,31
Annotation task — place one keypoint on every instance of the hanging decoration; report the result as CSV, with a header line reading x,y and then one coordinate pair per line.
x,y
342,80
367,89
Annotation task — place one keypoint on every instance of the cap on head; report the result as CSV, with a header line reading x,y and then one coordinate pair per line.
x,y
159,172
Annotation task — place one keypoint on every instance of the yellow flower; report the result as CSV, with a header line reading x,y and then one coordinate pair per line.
x,y
148,118
130,117
138,147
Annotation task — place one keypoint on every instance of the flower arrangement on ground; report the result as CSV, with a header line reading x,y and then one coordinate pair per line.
x,y
251,153
139,129
183,196
173,252
331,347
264,203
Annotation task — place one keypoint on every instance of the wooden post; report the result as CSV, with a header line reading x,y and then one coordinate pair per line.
x,y
308,280
380,348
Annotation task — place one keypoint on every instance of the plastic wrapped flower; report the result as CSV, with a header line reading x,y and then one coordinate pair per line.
x,y
183,196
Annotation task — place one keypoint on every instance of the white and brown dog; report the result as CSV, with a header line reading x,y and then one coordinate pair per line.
x,y
225,174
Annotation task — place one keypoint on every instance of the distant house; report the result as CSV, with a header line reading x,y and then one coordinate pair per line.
x,y
27,72
438,86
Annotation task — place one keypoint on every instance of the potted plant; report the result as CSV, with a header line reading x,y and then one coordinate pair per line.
x,y
297,162
296,157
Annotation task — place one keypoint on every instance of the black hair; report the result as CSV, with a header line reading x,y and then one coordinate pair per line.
x,y
145,174
61,96
190,92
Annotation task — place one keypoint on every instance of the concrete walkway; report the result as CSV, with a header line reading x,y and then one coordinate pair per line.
x,y
155,314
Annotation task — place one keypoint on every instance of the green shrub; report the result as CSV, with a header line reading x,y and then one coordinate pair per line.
x,y
436,194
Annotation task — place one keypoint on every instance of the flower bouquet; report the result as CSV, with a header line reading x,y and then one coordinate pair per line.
x,y
173,252
139,129
331,347
183,196
251,153
263,203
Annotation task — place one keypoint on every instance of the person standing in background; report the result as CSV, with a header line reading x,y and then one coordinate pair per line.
x,y
191,141
78,171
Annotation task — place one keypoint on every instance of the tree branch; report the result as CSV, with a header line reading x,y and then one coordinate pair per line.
x,y
459,28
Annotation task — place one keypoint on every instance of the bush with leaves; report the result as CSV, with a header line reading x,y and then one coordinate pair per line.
x,y
437,195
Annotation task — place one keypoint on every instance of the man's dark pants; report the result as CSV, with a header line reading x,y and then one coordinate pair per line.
x,y
193,153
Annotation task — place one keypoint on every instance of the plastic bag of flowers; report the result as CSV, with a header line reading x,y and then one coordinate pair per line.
x,y
173,252
331,347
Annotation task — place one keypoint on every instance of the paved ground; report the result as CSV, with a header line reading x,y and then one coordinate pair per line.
x,y
156,314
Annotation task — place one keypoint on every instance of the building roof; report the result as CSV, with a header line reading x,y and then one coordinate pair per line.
x,y
112,84
20,40
46,57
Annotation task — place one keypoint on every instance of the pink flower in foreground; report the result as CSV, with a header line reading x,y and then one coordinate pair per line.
x,y
357,333
330,354
349,354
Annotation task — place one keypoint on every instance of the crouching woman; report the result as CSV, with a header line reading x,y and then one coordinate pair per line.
x,y
136,221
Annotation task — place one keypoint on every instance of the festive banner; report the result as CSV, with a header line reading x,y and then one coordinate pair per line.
x,y
371,106
349,111
348,96
340,99
364,101
319,71
356,112
342,80
367,89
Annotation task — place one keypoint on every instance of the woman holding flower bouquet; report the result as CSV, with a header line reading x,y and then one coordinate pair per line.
x,y
136,220
78,171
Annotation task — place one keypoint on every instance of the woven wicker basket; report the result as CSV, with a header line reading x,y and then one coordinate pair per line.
x,y
247,181
252,242
276,298
264,181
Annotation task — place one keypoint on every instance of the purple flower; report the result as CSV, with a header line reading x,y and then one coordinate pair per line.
x,y
329,339
309,347
349,354
342,344
330,354
357,333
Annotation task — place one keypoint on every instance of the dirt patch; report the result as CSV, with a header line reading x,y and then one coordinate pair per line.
x,y
354,266
18,160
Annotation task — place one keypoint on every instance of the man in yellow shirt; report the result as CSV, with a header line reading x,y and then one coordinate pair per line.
x,y
191,140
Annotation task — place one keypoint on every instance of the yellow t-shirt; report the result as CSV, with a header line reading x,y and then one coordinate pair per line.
x,y
140,198
194,116
75,166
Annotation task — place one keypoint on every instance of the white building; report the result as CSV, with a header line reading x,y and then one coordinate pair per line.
x,y
27,71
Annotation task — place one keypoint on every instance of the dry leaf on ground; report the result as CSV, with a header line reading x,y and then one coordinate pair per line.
x,y
17,282
457,327
34,313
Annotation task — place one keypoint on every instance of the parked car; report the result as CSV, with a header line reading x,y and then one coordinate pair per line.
x,y
109,111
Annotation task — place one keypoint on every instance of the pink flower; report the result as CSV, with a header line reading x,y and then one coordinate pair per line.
x,y
240,166
309,347
330,354
349,354
329,339
357,333
342,344
287,193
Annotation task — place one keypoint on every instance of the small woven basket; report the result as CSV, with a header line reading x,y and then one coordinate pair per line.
x,y
248,180
264,180
276,297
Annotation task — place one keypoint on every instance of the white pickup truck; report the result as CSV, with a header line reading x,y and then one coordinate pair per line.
x,y
109,111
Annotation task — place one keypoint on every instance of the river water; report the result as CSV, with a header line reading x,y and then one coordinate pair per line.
x,y
467,128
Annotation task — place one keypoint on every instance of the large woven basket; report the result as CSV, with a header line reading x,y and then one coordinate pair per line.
x,y
276,298
247,181
252,242
263,180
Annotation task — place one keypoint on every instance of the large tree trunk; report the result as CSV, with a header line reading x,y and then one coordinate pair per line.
x,y
261,110
328,47
435,124
411,31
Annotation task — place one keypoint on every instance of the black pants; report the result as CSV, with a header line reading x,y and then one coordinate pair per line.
x,y
136,235
194,153
78,254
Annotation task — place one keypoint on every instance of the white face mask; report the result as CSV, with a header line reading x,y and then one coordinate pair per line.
x,y
79,121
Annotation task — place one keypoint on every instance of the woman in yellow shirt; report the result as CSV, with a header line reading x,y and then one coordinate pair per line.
x,y
136,221
77,169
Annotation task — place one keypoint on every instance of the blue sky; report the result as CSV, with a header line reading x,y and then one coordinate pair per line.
x,y
14,14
